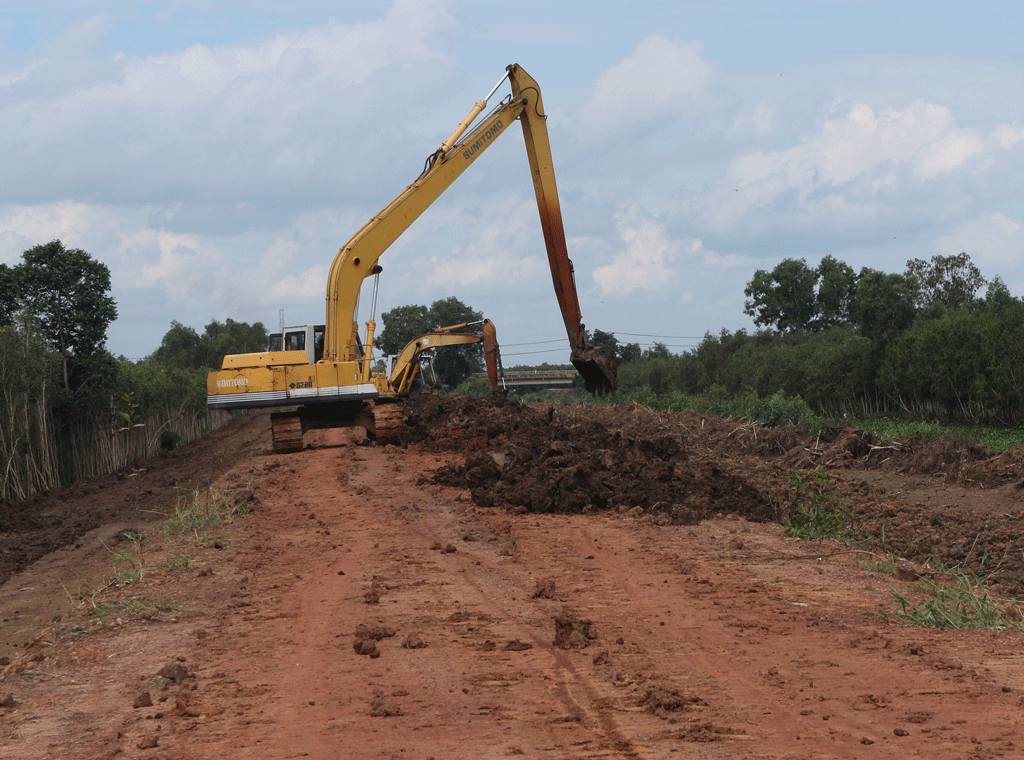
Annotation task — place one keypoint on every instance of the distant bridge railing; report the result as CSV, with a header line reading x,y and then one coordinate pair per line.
x,y
541,378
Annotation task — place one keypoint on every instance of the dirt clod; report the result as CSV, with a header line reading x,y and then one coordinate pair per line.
x,y
544,589
149,741
374,632
414,641
381,707
366,647
660,698
145,699
174,672
572,632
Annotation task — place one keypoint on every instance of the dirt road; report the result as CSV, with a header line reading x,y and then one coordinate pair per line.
x,y
361,610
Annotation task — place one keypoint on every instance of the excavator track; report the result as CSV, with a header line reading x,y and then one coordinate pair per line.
x,y
388,421
287,430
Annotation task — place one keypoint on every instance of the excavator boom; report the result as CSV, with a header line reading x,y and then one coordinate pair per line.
x,y
357,259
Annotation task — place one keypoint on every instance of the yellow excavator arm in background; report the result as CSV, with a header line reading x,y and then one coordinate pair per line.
x,y
357,259
406,366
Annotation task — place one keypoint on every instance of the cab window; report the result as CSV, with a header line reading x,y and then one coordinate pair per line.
x,y
318,343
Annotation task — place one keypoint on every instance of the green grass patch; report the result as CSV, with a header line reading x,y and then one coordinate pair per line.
x,y
895,428
179,563
129,561
962,601
813,508
768,411
887,566
203,512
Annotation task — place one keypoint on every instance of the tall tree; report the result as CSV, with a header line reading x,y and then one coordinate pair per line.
x,y
952,281
783,298
625,352
452,364
67,291
402,324
837,285
602,338
884,305
231,337
182,347
9,295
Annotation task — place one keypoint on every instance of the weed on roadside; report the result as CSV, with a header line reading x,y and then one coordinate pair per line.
x,y
962,601
179,563
120,611
813,509
887,565
202,511
129,562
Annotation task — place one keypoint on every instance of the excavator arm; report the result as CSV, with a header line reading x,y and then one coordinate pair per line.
x,y
357,259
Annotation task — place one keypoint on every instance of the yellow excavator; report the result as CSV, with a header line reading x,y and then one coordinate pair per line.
x,y
333,374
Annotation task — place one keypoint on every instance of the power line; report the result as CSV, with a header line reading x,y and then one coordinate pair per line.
x,y
537,342
671,337
530,353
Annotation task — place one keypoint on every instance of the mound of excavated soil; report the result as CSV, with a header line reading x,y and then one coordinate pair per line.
x,y
948,501
562,461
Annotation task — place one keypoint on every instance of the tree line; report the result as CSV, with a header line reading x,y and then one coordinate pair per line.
x,y
937,340
71,410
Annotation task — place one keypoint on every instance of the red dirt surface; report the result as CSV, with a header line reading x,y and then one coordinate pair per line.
x,y
564,582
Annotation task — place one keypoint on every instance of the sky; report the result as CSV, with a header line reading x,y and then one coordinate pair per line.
x,y
216,155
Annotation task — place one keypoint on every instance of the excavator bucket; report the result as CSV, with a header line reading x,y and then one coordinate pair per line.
x,y
599,368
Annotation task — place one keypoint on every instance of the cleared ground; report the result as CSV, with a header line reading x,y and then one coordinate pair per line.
x,y
561,582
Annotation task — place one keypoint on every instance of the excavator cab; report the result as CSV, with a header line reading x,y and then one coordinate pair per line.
x,y
308,338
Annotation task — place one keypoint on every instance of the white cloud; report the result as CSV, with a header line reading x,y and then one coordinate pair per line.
x,y
715,260
20,76
853,162
176,270
644,263
500,232
1009,135
218,121
993,240
75,224
660,78
306,287
759,121
947,153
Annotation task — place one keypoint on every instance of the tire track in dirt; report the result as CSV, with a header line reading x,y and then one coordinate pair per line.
x,y
706,632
